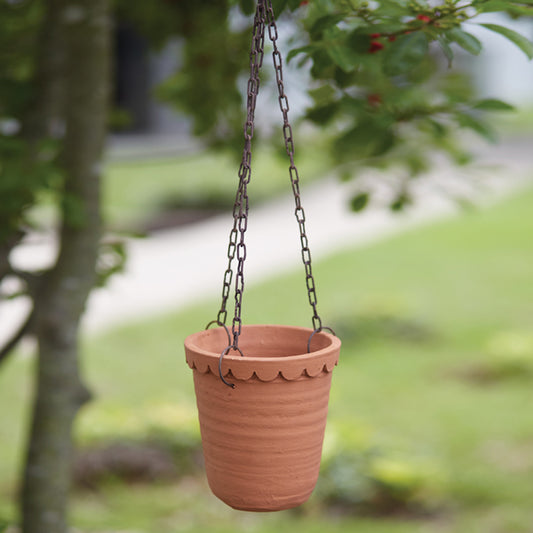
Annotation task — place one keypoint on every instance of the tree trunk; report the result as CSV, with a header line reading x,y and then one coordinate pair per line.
x,y
46,114
60,391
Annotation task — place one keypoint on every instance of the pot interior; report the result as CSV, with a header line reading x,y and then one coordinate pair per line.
x,y
264,341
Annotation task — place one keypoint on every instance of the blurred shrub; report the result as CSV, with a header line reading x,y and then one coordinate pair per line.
x,y
383,319
360,477
130,462
509,356
160,442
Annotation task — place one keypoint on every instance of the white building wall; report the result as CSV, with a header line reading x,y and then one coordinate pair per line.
x,y
502,70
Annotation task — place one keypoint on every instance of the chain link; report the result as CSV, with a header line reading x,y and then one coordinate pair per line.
x,y
299,212
264,17
236,245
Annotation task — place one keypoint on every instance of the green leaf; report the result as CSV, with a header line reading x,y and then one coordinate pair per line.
x,y
247,6
406,53
322,67
519,40
468,121
359,41
401,202
301,50
337,49
448,52
393,8
359,202
492,104
465,40
278,6
294,4
343,57
322,114
325,22
322,95
437,129
345,175
417,163
344,79
365,140
492,6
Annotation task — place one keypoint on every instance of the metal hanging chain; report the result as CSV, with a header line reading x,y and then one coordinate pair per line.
x,y
241,205
293,171
264,16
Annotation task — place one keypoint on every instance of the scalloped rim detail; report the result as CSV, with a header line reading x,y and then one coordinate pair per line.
x,y
265,369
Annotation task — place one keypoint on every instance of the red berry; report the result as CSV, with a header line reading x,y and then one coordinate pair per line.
x,y
424,18
375,46
375,35
304,2
392,38
374,100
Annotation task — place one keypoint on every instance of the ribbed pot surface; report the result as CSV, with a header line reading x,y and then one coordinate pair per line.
x,y
262,440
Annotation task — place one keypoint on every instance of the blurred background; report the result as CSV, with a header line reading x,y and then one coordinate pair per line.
x,y
422,256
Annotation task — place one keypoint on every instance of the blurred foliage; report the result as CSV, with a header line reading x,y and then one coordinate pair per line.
x,y
111,260
26,170
381,87
508,356
369,327
206,84
19,28
161,442
208,47
384,89
22,179
359,476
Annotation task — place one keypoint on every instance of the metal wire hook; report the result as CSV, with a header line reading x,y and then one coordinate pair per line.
x,y
225,352
221,324
317,330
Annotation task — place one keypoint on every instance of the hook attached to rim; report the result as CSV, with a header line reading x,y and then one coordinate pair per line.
x,y
225,352
317,330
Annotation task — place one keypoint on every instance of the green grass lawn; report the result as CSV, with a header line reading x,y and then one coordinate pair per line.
x,y
419,314
134,191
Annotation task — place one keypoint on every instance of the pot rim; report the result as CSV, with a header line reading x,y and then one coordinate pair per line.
x,y
266,368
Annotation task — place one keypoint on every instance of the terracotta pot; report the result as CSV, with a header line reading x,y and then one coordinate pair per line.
x,y
262,439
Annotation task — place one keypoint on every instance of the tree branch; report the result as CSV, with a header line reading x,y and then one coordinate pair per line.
x,y
23,330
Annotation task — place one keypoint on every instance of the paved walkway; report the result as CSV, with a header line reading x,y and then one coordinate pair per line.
x,y
174,268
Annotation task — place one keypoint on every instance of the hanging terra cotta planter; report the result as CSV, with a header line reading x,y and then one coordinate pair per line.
x,y
262,391
262,439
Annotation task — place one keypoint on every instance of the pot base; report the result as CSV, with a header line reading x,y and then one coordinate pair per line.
x,y
272,507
